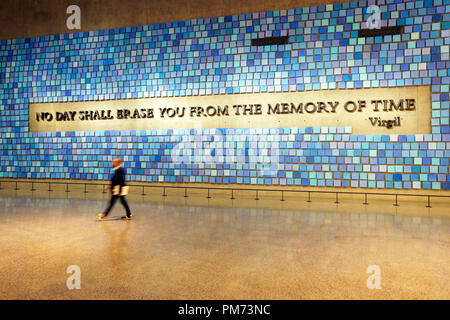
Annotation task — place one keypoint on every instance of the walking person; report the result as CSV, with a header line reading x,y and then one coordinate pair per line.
x,y
118,191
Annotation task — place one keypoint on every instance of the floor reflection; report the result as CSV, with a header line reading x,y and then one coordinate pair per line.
x,y
197,248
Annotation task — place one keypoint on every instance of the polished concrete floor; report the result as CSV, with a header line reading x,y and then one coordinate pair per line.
x,y
198,248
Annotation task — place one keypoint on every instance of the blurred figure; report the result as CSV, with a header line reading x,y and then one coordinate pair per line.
x,y
118,190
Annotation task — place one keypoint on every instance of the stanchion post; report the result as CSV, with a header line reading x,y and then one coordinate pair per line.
x,y
17,188
164,192
337,200
309,197
32,186
232,194
256,195
185,193
429,203
365,199
143,194
50,187
67,187
396,201
282,196
208,197
85,188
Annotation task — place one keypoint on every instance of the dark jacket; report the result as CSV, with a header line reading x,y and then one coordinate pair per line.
x,y
118,178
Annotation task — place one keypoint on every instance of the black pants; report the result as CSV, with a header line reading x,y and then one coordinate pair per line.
x,y
113,201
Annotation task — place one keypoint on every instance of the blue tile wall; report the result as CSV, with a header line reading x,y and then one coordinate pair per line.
x,y
214,56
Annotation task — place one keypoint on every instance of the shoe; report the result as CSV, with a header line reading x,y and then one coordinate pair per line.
x,y
127,217
100,216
